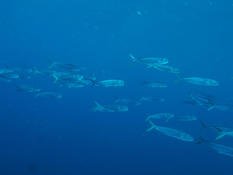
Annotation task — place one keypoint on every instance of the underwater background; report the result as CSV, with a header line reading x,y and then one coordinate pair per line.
x,y
65,136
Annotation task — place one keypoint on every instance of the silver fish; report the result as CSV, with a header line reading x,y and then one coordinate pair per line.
x,y
186,118
28,89
111,83
166,68
149,99
201,81
49,94
165,116
149,60
223,132
180,135
109,108
222,149
154,84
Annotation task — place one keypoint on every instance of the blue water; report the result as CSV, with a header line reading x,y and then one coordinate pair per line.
x,y
63,136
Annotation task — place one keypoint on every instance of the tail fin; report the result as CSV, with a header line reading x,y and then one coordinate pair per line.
x,y
56,78
153,126
148,119
218,129
134,59
50,63
211,107
18,88
178,78
151,66
93,81
221,133
98,107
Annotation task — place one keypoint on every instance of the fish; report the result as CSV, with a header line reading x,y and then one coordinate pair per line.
x,y
177,134
6,70
223,132
66,77
186,118
165,68
111,83
9,74
35,71
201,81
207,101
219,148
201,99
154,84
72,84
149,60
124,101
165,116
221,107
149,99
65,67
28,89
222,149
109,108
49,94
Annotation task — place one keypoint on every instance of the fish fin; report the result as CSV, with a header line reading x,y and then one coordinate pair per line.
x,y
98,106
116,99
50,63
203,125
149,129
93,81
55,78
17,87
149,66
169,118
211,107
221,135
132,57
217,128
220,131
153,126
147,119
178,78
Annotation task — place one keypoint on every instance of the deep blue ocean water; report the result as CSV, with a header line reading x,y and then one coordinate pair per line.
x,y
47,136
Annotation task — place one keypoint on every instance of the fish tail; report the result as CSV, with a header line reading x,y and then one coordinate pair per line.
x,y
132,57
55,78
221,133
50,63
153,126
211,107
149,129
150,66
93,81
178,78
97,107
148,119
217,128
